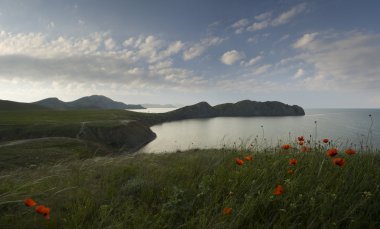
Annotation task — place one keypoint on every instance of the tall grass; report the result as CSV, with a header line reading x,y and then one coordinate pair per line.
x,y
190,190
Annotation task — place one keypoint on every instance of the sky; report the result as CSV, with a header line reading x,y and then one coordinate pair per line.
x,y
316,54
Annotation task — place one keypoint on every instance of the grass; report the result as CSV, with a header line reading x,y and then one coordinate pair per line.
x,y
190,190
34,117
47,151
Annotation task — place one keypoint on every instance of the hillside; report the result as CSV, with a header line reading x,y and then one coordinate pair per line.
x,y
6,105
245,108
88,102
253,108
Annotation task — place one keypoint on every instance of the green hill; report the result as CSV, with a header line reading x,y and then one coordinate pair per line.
x,y
87,102
6,105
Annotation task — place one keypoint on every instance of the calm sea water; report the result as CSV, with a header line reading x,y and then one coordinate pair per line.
x,y
345,126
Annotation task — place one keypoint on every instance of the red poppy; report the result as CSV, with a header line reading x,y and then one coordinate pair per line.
x,y
332,152
290,171
305,149
286,146
325,140
339,161
248,158
41,209
227,211
350,151
301,139
278,190
239,161
29,202
300,143
293,161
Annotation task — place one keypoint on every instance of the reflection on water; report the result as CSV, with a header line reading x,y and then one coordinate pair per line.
x,y
347,126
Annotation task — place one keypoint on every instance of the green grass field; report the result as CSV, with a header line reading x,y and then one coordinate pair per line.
x,y
191,189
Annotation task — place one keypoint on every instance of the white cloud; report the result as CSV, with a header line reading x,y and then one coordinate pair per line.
x,y
199,48
300,72
95,59
288,15
305,40
258,26
264,20
262,69
264,16
231,57
252,61
109,43
342,61
239,26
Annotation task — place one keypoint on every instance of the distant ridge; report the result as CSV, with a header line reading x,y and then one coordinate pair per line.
x,y
245,108
6,105
88,102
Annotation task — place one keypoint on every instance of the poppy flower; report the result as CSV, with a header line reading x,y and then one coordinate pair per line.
x,y
301,139
339,161
41,209
305,149
248,158
300,143
279,190
227,211
350,151
286,146
290,171
293,161
239,161
332,152
325,140
29,202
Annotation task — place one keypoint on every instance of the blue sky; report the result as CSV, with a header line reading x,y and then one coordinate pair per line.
x,y
322,53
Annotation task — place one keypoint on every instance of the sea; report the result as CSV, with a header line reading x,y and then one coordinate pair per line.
x,y
357,128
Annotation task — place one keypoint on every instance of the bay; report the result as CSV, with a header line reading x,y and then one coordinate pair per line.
x,y
345,127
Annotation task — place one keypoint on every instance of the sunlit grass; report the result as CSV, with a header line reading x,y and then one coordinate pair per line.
x,y
199,189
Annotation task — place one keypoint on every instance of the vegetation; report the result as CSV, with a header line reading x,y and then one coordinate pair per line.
x,y
199,189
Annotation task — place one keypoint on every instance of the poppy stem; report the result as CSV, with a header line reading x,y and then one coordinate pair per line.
x,y
320,168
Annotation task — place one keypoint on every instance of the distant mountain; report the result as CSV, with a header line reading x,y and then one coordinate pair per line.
x,y
88,102
253,108
148,105
245,108
6,105
53,103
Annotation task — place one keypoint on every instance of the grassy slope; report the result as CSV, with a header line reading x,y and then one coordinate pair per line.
x,y
15,106
190,190
34,152
72,116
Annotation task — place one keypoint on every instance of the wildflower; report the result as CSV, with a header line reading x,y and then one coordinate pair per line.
x,y
301,139
29,202
325,140
41,209
248,158
300,143
239,161
350,151
290,171
227,211
339,161
279,190
332,152
305,149
286,146
293,161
